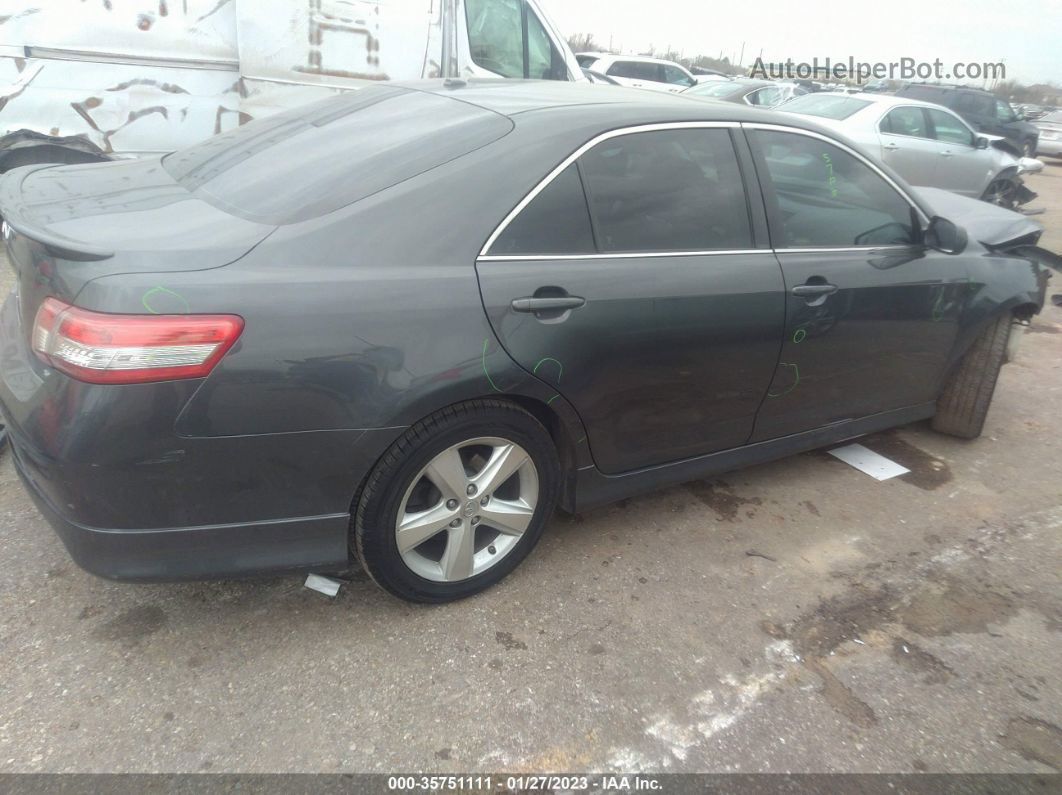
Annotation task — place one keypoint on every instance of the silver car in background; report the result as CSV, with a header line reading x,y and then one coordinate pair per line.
x,y
1049,141
927,144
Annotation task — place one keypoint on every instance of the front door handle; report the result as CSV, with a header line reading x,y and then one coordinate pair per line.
x,y
553,303
812,290
890,147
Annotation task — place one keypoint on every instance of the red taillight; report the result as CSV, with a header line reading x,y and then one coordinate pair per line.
x,y
130,349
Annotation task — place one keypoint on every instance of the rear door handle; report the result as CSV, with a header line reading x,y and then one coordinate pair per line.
x,y
810,290
890,147
548,304
946,153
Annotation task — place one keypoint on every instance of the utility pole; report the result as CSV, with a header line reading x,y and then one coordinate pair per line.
x,y
741,58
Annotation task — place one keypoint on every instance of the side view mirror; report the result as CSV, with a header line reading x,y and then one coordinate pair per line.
x,y
981,142
945,236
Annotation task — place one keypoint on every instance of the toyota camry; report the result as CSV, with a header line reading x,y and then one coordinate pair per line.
x,y
405,324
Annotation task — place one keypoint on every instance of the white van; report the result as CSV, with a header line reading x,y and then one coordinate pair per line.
x,y
83,81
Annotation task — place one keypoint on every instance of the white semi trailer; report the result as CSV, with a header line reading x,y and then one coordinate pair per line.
x,y
84,80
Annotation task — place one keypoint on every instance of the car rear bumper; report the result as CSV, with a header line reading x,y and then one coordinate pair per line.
x,y
1051,147
183,553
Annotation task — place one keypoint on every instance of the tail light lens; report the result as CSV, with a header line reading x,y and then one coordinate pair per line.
x,y
130,349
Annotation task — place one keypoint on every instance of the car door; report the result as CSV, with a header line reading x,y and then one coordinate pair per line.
x,y
961,166
629,281
871,314
907,144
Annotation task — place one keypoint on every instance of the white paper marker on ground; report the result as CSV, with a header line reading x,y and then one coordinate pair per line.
x,y
877,466
325,585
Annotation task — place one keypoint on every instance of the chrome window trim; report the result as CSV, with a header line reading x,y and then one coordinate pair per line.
x,y
620,255
844,147
545,181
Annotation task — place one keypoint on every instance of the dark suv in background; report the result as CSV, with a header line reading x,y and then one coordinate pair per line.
x,y
983,110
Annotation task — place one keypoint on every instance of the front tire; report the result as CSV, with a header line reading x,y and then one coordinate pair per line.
x,y
457,502
963,405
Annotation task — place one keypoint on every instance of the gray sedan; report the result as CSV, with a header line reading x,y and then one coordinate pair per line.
x,y
926,143
406,323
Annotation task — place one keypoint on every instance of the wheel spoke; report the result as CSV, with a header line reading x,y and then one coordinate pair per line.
x,y
457,560
504,460
448,474
416,528
511,518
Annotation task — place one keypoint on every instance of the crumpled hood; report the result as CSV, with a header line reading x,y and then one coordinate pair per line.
x,y
986,223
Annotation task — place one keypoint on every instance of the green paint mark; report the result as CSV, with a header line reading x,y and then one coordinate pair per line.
x,y
560,367
938,309
552,399
831,178
799,336
796,374
581,440
158,292
490,380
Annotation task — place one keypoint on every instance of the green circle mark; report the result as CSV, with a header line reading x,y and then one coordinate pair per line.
x,y
161,292
799,336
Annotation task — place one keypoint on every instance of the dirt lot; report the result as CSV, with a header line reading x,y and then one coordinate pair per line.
x,y
796,616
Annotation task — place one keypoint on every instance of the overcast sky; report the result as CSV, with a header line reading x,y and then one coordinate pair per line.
x,y
1026,34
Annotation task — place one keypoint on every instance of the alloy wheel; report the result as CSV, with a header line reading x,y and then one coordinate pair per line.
x,y
467,509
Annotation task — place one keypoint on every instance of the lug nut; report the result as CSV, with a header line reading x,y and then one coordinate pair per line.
x,y
484,501
475,520
451,504
455,523
492,550
471,490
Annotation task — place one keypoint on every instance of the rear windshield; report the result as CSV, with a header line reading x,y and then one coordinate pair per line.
x,y
715,88
312,160
826,106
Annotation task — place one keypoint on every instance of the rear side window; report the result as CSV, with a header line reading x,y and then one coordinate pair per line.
x,y
636,70
651,192
905,121
507,37
976,104
671,190
585,61
312,160
556,221
828,198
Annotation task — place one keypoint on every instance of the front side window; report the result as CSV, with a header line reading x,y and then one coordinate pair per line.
x,y
1004,112
949,128
507,38
829,198
556,221
676,76
670,190
905,121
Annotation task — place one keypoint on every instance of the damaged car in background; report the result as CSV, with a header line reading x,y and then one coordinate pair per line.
x,y
85,82
301,342
926,144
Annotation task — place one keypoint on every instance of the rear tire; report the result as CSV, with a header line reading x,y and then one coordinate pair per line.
x,y
449,472
963,405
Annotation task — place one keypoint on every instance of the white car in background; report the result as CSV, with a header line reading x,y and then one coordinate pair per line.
x,y
638,71
927,144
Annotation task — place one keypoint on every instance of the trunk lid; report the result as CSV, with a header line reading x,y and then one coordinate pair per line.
x,y
67,225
